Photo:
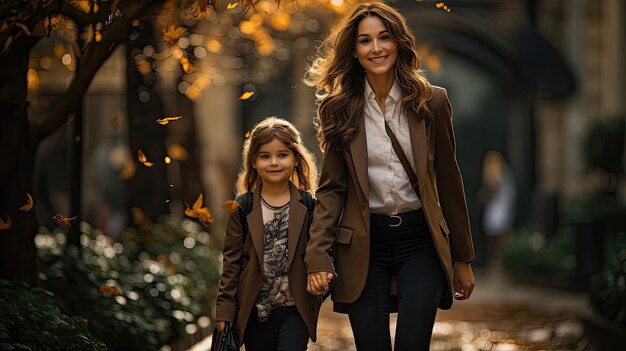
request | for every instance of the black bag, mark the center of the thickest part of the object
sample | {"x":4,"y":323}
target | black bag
{"x":227,"y":340}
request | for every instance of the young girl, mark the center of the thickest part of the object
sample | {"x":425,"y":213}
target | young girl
{"x":391,"y":196}
{"x":262,"y":290}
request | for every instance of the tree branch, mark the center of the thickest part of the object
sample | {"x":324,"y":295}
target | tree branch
{"x":96,"y":54}
{"x":84,"y":18}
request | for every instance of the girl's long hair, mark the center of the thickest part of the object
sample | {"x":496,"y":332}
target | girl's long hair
{"x":304,"y":176}
{"x":340,"y":79}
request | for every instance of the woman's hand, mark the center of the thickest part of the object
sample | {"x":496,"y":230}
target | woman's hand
{"x":318,"y":282}
{"x":220,"y":325}
{"x":463,"y":280}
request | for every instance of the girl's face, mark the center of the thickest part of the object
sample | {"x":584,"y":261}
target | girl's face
{"x":275,"y":162}
{"x":375,"y":49}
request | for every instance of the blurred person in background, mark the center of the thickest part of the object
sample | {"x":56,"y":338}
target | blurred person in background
{"x":497,"y":198}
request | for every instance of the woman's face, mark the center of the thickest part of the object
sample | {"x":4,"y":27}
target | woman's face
{"x":375,"y":49}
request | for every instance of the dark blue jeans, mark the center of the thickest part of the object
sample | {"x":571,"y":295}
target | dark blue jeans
{"x":284,"y":330}
{"x":408,"y":253}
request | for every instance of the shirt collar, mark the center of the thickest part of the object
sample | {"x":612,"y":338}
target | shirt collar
{"x":395,"y":93}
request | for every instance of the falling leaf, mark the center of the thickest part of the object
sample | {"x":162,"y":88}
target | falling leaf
{"x":202,"y":213}
{"x":63,"y":220}
{"x":141,"y":156}
{"x":29,"y":205}
{"x":246,"y":95}
{"x":110,"y":290}
{"x":171,"y":34}
{"x":232,"y":5}
{"x":440,"y":4}
{"x":6,"y":225}
{"x":148,"y":164}
{"x":248,"y":134}
{"x":167,"y":120}
{"x":231,"y":206}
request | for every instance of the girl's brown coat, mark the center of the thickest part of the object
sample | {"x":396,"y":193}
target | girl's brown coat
{"x":236,"y":300}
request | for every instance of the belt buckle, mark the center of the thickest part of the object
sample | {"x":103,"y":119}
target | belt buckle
{"x":396,"y":224}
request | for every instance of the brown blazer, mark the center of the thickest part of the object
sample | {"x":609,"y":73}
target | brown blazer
{"x":342,"y":214}
{"x":235,"y":301}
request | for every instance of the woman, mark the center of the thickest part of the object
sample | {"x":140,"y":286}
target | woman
{"x":398,"y":245}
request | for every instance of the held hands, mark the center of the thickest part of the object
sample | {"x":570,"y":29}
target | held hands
{"x":318,"y":283}
{"x":463,"y":281}
{"x":220,"y":325}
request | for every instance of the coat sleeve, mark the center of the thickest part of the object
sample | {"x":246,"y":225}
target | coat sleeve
{"x":226,"y":305}
{"x":450,"y":183}
{"x":328,"y":208}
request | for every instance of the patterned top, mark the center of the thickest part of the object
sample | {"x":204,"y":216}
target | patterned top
{"x":275,"y":286}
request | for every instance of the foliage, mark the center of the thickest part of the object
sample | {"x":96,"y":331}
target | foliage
{"x":29,"y":320}
{"x":608,"y":289}
{"x":530,"y":251}
{"x":604,"y":145}
{"x":155,"y":285}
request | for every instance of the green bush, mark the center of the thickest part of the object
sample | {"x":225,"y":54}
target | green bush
{"x":141,"y":292}
{"x":608,"y":289}
{"x":530,"y":251}
{"x":29,"y":320}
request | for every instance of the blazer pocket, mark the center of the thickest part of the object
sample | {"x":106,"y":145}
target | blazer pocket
{"x":344,"y":235}
{"x":444,"y":226}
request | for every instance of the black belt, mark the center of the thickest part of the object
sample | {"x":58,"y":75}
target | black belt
{"x":412,"y":218}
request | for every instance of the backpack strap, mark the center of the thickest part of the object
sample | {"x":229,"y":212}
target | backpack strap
{"x":307,"y":200}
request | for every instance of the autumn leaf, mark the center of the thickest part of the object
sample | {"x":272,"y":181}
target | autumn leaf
{"x":232,"y":5}
{"x":231,"y":206}
{"x":63,"y":220}
{"x":202,"y":213}
{"x":166,"y":120}
{"x":6,"y":225}
{"x":29,"y":205}
{"x":109,"y":290}
{"x":247,"y":134}
{"x":141,"y":156}
{"x":171,"y":34}
{"x":246,"y":95}
{"x":143,"y":159}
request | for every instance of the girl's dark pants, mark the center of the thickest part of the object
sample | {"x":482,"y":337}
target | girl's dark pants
{"x":406,"y":251}
{"x":283,"y":331}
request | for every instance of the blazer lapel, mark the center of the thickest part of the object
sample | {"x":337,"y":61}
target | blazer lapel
{"x":358,"y":153}
{"x":297,"y":214}
{"x":255,"y":226}
{"x":419,"y":144}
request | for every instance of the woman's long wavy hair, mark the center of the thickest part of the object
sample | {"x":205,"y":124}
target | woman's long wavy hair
{"x":304,"y":176}
{"x":340,"y":79}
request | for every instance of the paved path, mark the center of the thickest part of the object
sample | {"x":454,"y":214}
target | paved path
{"x":501,"y":315}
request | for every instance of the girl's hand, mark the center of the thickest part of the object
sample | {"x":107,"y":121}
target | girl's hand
{"x":463,"y":280}
{"x":317,"y":283}
{"x":220,"y":325}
